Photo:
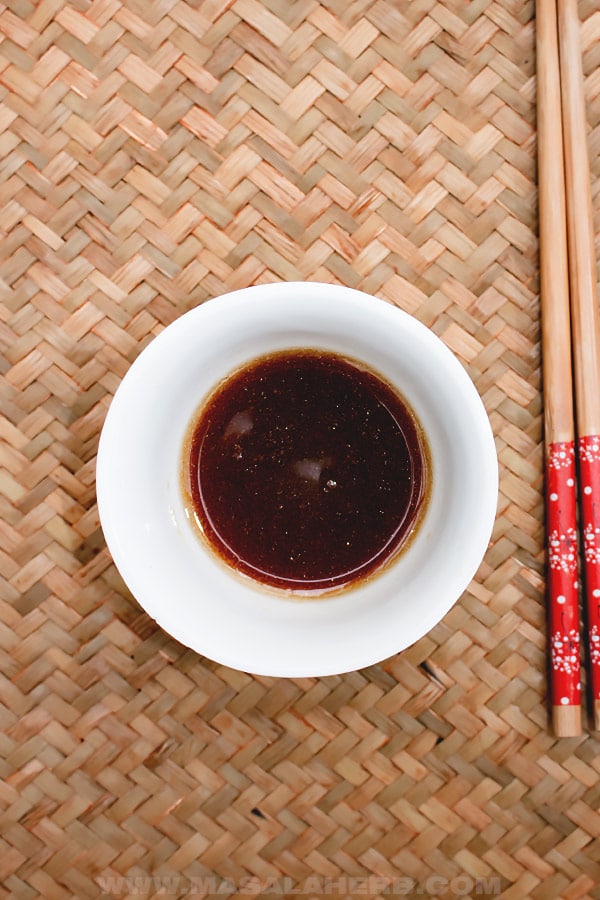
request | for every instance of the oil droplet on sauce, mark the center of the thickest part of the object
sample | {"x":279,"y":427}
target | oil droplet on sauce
{"x":306,"y":471}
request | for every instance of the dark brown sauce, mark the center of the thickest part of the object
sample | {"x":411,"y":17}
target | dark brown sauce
{"x":306,"y":471}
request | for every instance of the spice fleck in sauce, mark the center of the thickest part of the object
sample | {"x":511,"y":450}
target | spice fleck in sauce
{"x":306,"y":471}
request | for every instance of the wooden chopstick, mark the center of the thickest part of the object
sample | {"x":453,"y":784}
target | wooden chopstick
{"x":559,"y":428}
{"x":585,"y":324}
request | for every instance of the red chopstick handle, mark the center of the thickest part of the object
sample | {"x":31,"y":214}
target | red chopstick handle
{"x":589,"y":471}
{"x":563,"y":588}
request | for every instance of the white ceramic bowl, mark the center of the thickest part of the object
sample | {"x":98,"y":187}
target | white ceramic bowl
{"x":231,"y":619}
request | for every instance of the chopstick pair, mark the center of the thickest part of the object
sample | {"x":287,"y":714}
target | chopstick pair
{"x":570,"y":359}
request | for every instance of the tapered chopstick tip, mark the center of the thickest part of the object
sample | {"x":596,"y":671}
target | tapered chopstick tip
{"x":566,"y":721}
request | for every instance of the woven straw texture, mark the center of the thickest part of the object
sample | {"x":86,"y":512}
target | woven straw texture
{"x":156,"y":154}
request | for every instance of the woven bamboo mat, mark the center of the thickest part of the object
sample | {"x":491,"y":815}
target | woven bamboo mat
{"x":155,"y":154}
